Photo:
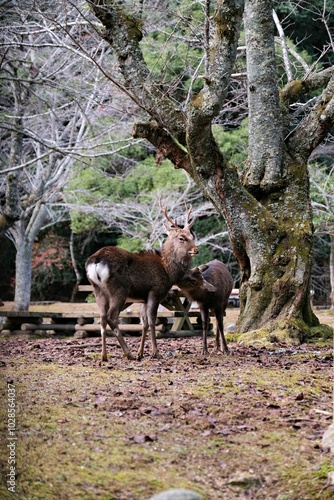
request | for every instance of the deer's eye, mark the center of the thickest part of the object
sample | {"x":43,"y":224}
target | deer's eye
{"x":181,"y":238}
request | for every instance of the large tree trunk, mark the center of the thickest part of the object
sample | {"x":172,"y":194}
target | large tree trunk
{"x":271,"y":234}
{"x":277,"y":293}
{"x":268,"y":212}
{"x":266,"y":205}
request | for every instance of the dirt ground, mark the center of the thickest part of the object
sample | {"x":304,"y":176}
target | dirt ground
{"x":244,"y":426}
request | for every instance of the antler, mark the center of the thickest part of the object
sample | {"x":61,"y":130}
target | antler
{"x":164,"y":211}
{"x":174,"y":223}
{"x":188,"y":212}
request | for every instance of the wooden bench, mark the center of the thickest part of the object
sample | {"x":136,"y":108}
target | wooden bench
{"x":175,"y":318}
{"x":71,"y":318}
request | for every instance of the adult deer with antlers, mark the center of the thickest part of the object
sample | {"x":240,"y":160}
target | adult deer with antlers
{"x":117,"y":276}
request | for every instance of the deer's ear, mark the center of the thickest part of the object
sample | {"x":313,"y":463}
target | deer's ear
{"x":203,"y":267}
{"x":168,"y":228}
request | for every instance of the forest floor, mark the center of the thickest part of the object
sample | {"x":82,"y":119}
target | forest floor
{"x":244,"y":426}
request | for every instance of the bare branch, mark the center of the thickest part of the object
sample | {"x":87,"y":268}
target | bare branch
{"x":284,"y":46}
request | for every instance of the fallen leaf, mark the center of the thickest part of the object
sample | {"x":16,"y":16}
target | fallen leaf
{"x":63,"y":420}
{"x":143,"y":439}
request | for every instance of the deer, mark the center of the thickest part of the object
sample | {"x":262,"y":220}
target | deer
{"x":215,"y":299}
{"x":118,"y":276}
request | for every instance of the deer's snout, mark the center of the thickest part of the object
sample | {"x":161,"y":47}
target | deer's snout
{"x":193,"y":251}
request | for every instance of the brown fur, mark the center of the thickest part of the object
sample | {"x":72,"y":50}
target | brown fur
{"x":217,"y":274}
{"x":116,"y":275}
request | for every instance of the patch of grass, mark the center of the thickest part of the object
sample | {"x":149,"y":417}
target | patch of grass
{"x":322,"y":472}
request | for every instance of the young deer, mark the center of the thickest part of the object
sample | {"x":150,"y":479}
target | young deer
{"x":217,"y":274}
{"x":117,"y":275}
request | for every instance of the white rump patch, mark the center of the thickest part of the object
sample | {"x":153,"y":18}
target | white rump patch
{"x":98,"y":273}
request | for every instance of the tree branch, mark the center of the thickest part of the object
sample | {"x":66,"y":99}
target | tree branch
{"x":265,"y":118}
{"x":207,"y":104}
{"x":222,"y":53}
{"x":164,"y":143}
{"x":123,"y":33}
{"x":296,"y":89}
{"x":284,"y":46}
{"x":315,"y":126}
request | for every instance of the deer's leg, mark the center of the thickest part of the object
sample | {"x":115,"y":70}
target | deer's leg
{"x":143,"y":317}
{"x":123,"y":344}
{"x":221,"y":344}
{"x":218,"y":338}
{"x":205,"y":327}
{"x":103,"y":321}
{"x":155,"y":352}
{"x":103,"y":304}
{"x":112,"y":320}
{"x":152,"y":310}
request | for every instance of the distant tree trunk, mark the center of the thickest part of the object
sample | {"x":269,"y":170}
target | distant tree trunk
{"x":24,"y":236}
{"x":76,"y":269}
{"x":23,"y":270}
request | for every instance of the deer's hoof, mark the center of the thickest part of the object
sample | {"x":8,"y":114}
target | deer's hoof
{"x":156,"y":355}
{"x":140,"y":353}
{"x":223,"y":352}
{"x":130,"y":356}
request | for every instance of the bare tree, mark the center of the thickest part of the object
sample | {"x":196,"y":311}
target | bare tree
{"x":266,"y":203}
{"x":55,"y":109}
{"x":140,"y":219}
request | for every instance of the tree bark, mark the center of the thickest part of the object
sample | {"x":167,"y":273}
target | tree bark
{"x":264,"y":165}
